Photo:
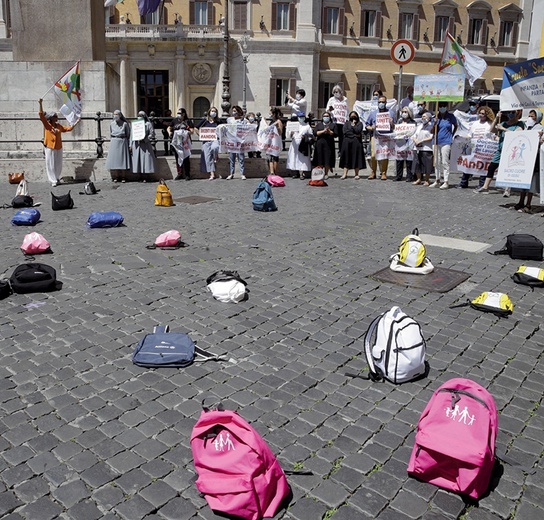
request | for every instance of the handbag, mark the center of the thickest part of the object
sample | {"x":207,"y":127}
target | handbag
{"x":59,"y":202}
{"x":16,"y":178}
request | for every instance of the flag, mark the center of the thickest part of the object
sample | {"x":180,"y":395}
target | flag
{"x":110,"y":3}
{"x":67,"y":89}
{"x":456,"y":60}
{"x":522,"y":85}
{"x":148,"y":6}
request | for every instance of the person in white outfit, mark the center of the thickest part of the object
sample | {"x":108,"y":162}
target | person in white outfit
{"x":299,"y":155}
{"x":337,"y":105}
{"x":297,"y":103}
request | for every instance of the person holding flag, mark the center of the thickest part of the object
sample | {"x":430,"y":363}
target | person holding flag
{"x":53,"y":143}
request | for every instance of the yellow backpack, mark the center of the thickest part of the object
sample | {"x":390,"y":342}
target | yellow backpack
{"x":531,"y":276}
{"x":412,"y":252}
{"x":494,"y":302}
{"x":163,"y":196}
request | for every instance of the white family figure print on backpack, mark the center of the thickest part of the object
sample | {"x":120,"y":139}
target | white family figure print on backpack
{"x":463,"y":416}
{"x":220,"y":443}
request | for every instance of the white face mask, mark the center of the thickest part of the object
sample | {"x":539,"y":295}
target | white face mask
{"x":424,"y":121}
{"x":213,"y":114}
{"x":301,"y":120}
{"x":298,"y":97}
{"x":251,"y":119}
{"x":404,"y":115}
{"x":338,"y":95}
{"x":326,"y":120}
{"x":530,"y":122}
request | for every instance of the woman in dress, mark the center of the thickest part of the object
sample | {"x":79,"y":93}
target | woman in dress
{"x":119,"y":161}
{"x":299,"y":155}
{"x":404,"y":147}
{"x":237,"y":117}
{"x":143,"y":156}
{"x":183,"y":164}
{"x":210,"y":149}
{"x":325,"y":131}
{"x":276,"y":125}
{"x":352,"y":156}
{"x":423,"y":141}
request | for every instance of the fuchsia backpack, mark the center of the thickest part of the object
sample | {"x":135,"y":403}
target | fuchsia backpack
{"x":237,"y":472}
{"x":169,"y":240}
{"x":455,"y":440}
{"x":275,"y":181}
{"x":35,"y":244}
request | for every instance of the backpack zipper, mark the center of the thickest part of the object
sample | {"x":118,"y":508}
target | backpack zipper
{"x":455,"y":396}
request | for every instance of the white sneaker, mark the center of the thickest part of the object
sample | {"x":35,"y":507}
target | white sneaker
{"x":444,"y":186}
{"x":230,"y":176}
{"x":243,"y":177}
{"x":507,"y":192}
{"x":434,"y":185}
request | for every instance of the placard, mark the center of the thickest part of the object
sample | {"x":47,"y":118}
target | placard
{"x":207,"y":133}
{"x":291,"y":127}
{"x":518,"y":158}
{"x":439,"y":87}
{"x":383,"y":122}
{"x":137,"y":129}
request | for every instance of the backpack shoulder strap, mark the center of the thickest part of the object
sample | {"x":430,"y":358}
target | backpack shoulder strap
{"x":161,"y":329}
{"x":202,"y":355}
{"x":373,"y":373}
{"x":466,"y":304}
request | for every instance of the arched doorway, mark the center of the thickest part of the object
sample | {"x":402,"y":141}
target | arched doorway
{"x":200,"y":106}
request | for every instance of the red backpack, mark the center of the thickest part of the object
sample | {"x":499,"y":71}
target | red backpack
{"x":455,"y":440}
{"x":237,"y":472}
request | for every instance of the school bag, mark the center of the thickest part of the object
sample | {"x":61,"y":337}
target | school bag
{"x":227,"y":286}
{"x":163,"y":197}
{"x":168,"y":240}
{"x":5,"y":289}
{"x":495,"y":302}
{"x":531,"y":276}
{"x":26,"y":217}
{"x":22,"y":189}
{"x":275,"y":181}
{"x":454,"y":446}
{"x":60,"y":202}
{"x":522,"y":247}
{"x":395,"y":348}
{"x":105,"y":219}
{"x":33,"y":277}
{"x":237,"y":472}
{"x":35,"y":244}
{"x":22,"y":201}
{"x":412,"y":256}
{"x":318,"y":177}
{"x":263,"y":200}
{"x":163,"y":348}
{"x":89,"y":189}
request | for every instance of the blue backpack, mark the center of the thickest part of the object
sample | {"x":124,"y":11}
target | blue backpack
{"x":104,"y":220}
{"x":168,"y":349}
{"x":263,"y":200}
{"x":26,"y":217}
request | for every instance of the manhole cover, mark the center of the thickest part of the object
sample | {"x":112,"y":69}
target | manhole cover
{"x":195,"y":199}
{"x":440,"y":280}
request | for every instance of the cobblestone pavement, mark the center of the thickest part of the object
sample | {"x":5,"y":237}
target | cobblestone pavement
{"x":85,"y":434}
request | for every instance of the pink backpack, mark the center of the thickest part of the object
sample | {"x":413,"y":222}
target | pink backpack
{"x":275,"y":181}
{"x":455,"y":440}
{"x":237,"y":472}
{"x":35,"y":244}
{"x":169,"y":240}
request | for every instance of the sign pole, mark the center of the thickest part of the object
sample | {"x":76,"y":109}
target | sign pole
{"x":400,"y":92}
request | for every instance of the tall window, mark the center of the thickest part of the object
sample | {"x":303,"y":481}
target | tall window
{"x":153,"y":91}
{"x":282,"y":17}
{"x":325,"y":89}
{"x":201,"y":13}
{"x":150,"y":19}
{"x":200,"y":106}
{"x":333,"y":20}
{"x":406,"y":26}
{"x":370,"y":24}
{"x":365,"y":91}
{"x":476,"y":31}
{"x":240,"y":15}
{"x":441,"y":27}
{"x":506,"y":35}
{"x":278,"y":90}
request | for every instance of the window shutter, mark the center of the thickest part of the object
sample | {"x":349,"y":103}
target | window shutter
{"x":484,"y":33}
{"x":292,"y":16}
{"x":399,"y":32}
{"x":210,"y":12}
{"x":322,"y":100}
{"x":451,"y":26}
{"x":274,"y":23}
{"x":515,"y":29}
{"x":362,"y":24}
{"x":378,"y":28}
{"x":191,"y":12}
{"x":324,"y":24}
{"x":292,"y":86}
{"x":272,"y":92}
{"x":341,"y":21}
{"x":415,"y":28}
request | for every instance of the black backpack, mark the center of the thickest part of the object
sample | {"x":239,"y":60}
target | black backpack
{"x":5,"y":289}
{"x":522,"y":247}
{"x":33,"y":277}
{"x":59,"y":202}
{"x":22,"y":201}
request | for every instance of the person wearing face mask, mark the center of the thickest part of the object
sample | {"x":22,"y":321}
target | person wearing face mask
{"x":352,"y":155}
{"x":408,"y":101}
{"x":119,"y":160}
{"x":376,"y":95}
{"x":371,"y":127}
{"x":534,"y":124}
{"x":297,"y":103}
{"x":473,"y":107}
{"x":423,"y":139}
{"x":512,"y":124}
{"x":143,"y":157}
{"x":182,"y":122}
{"x":404,"y":147}
{"x":337,"y":106}
{"x":299,"y":155}
{"x":210,"y":149}
{"x":445,"y":128}
{"x":479,"y":129}
{"x":252,"y":120}
{"x":237,"y":118}
{"x":275,"y":128}
{"x":325,"y":131}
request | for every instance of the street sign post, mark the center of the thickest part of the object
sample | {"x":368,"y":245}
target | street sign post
{"x":402,"y":53}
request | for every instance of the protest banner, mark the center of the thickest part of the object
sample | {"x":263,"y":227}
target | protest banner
{"x":383,"y":123}
{"x":404,"y":130}
{"x":518,"y":158}
{"x":384,"y":146}
{"x":523,"y":85}
{"x":181,"y":142}
{"x":464,"y":123}
{"x":237,"y":138}
{"x":404,"y":145}
{"x":439,"y":87}
{"x":270,"y":140}
{"x":363,"y":108}
{"x":340,"y":110}
{"x":207,"y":133}
{"x":291,"y":127}
{"x":137,"y":129}
{"x":472,"y":155}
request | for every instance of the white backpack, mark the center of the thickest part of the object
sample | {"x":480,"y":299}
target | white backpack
{"x":395,"y":348}
{"x":22,"y":189}
{"x":227,"y":287}
{"x":412,"y":256}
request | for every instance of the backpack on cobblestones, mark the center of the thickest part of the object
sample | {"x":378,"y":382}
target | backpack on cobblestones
{"x":30,"y":278}
{"x":26,"y":217}
{"x":263,"y":200}
{"x":395,"y":348}
{"x":412,"y":256}
{"x":531,"y":276}
{"x":227,"y":286}
{"x":237,"y":472}
{"x":22,"y":201}
{"x":35,"y":244}
{"x":454,"y":446}
{"x":61,"y":202}
{"x":163,"y":197}
{"x":162,"y":348}
{"x":105,"y":219}
{"x":494,"y":302}
{"x":522,"y":247}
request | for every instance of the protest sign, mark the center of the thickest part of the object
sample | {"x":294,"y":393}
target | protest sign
{"x":137,"y":129}
{"x":518,"y":158}
{"x":383,"y":123}
{"x":472,"y":155}
{"x":384,"y":146}
{"x":404,"y":145}
{"x":404,"y":130}
{"x":363,"y":108}
{"x":464,"y":122}
{"x":292,"y":127}
{"x":207,"y":133}
{"x":237,"y":138}
{"x":439,"y":87}
{"x":270,"y":140}
{"x":523,"y":85}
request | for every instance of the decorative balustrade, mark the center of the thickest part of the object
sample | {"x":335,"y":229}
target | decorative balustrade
{"x":163,"y":32}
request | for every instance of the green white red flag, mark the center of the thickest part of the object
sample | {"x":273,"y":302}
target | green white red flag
{"x":456,"y":60}
{"x":68,"y":90}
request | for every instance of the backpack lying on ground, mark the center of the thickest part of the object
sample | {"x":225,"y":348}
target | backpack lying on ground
{"x":395,"y":348}
{"x":106,"y":219}
{"x":227,"y":286}
{"x":318,"y":177}
{"x":163,"y":197}
{"x":169,"y":240}
{"x":5,"y":289}
{"x":412,"y":256}
{"x":531,"y":276}
{"x":162,"y":348}
{"x":22,"y":201}
{"x":275,"y":181}
{"x":29,"y":278}
{"x":26,"y":217}
{"x":495,"y":302}
{"x":89,"y":189}
{"x":237,"y":472}
{"x":60,"y":202}
{"x":263,"y":200}
{"x":22,"y":189}
{"x":35,"y":244}
{"x":522,"y":247}
{"x":455,"y":440}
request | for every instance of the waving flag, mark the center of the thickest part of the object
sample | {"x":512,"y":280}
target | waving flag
{"x":110,"y":3}
{"x":67,"y":89}
{"x":148,"y":6}
{"x":456,"y":60}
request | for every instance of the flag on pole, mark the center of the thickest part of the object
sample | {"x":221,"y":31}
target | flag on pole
{"x":110,"y":3}
{"x":148,"y":6}
{"x":456,"y":60}
{"x":67,"y":90}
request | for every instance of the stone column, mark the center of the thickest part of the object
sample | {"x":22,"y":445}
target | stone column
{"x":179,"y":89}
{"x":3,"y":28}
{"x":123,"y":80}
{"x":308,"y":16}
